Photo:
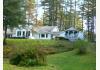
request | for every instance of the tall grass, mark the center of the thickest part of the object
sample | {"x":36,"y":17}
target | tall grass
{"x":82,"y":46}
{"x":29,"y":42}
{"x":49,"y":46}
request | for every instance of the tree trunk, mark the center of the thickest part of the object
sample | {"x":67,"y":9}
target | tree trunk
{"x":5,"y":36}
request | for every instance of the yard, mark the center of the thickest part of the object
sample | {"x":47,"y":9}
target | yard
{"x":67,"y":60}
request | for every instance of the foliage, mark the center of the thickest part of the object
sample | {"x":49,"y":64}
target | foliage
{"x":81,"y":45}
{"x":30,"y":9}
{"x":15,"y":59}
{"x":61,"y":13}
{"x":63,"y":46}
{"x":89,"y":8}
{"x":7,"y":51}
{"x":48,"y":46}
{"x":61,"y":61}
{"x":13,"y":15}
{"x":28,"y":57}
{"x":25,"y":43}
{"x":88,"y":11}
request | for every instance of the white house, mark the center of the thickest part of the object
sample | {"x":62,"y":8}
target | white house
{"x":72,"y":34}
{"x":19,"y":32}
{"x":44,"y":32}
{"x":81,"y":35}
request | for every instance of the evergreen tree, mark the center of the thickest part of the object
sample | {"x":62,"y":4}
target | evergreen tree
{"x":13,"y":15}
{"x":89,"y":10}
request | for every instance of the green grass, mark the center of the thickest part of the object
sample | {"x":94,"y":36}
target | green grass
{"x":22,"y":44}
{"x":29,"y":42}
{"x":71,"y":61}
{"x":48,"y":45}
{"x":62,"y":61}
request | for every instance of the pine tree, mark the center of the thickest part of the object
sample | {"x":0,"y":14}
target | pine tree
{"x":89,"y":8}
{"x":13,"y":15}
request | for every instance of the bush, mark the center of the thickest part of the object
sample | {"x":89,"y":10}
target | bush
{"x":15,"y":59}
{"x":81,"y":45}
{"x":82,"y":50}
{"x":28,"y":57}
{"x":7,"y":51}
{"x":63,"y":46}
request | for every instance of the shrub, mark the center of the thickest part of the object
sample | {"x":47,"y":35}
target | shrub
{"x":63,"y":46}
{"x":81,"y":45}
{"x":15,"y":59}
{"x":28,"y":57}
{"x":7,"y":51}
{"x":82,"y":50}
{"x":40,"y":56}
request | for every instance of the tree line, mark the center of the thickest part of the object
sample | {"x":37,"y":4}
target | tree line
{"x":61,"y":13}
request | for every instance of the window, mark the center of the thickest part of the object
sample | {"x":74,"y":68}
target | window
{"x":66,"y":33}
{"x":70,"y":32}
{"x":42,"y":35}
{"x":23,"y":33}
{"x":46,"y":35}
{"x":75,"y":32}
{"x":18,"y":33}
{"x":27,"y":33}
{"x":51,"y":35}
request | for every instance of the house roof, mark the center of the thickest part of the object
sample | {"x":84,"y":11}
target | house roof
{"x":71,"y":29}
{"x":44,"y":29}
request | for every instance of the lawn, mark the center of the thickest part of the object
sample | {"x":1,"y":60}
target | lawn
{"x":29,"y":42}
{"x":71,"y":61}
{"x":59,"y":61}
{"x":62,"y":61}
{"x":50,"y":45}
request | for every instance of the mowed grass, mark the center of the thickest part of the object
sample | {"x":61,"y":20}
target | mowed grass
{"x":60,"y":61}
{"x":71,"y":61}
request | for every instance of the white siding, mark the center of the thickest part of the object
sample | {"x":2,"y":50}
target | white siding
{"x":38,"y":36}
{"x":48,"y":36}
{"x":62,"y":34}
{"x":14,"y":34}
{"x":81,"y":35}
